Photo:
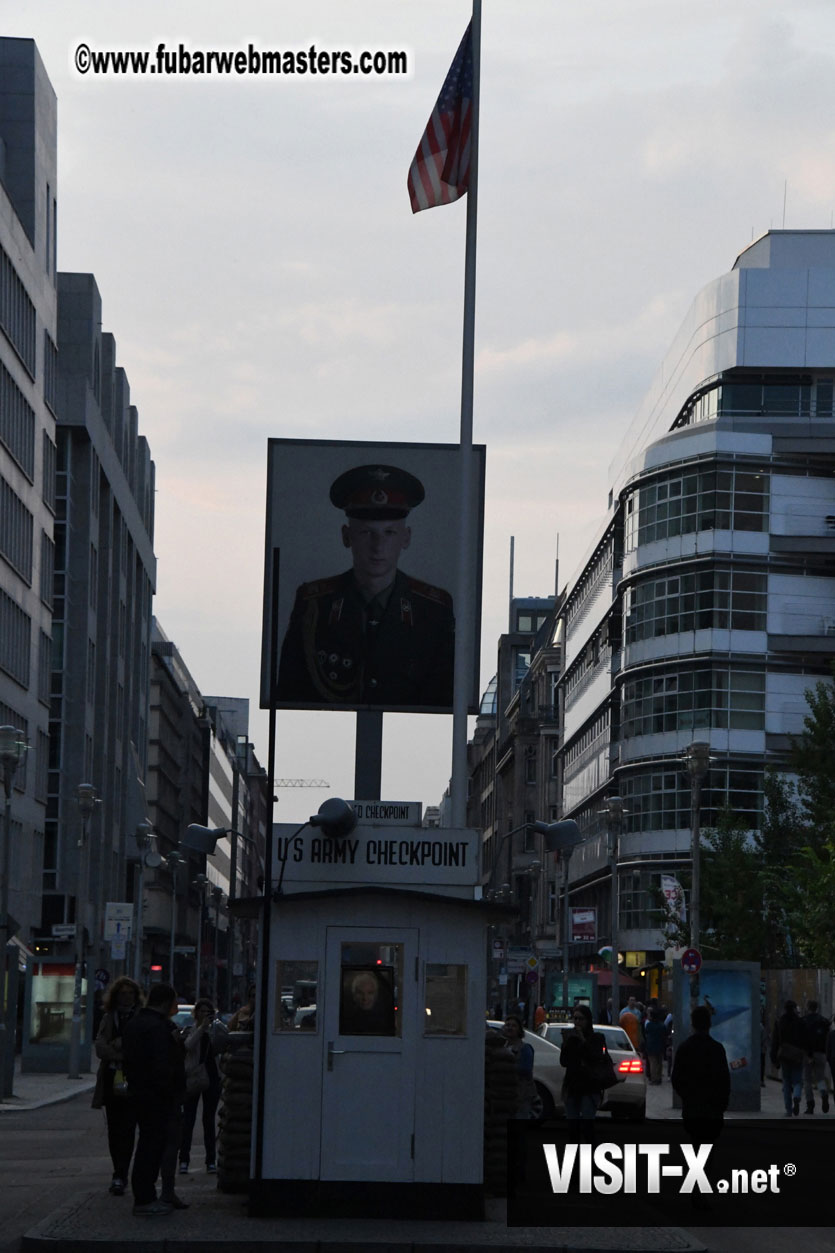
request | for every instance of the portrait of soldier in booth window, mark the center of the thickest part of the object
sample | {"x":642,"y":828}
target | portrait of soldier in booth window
{"x":372,"y":634}
{"x":366,"y":1005}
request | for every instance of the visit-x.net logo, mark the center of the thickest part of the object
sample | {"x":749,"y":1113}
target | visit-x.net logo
{"x":753,"y":1173}
{"x":642,"y":1168}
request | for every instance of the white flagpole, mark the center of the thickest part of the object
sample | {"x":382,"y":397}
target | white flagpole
{"x":465,"y":592}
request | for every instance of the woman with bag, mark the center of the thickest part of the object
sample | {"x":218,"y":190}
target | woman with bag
{"x":202,"y":1080}
{"x":789,"y":1048}
{"x":121,"y":1001}
{"x":588,"y":1070}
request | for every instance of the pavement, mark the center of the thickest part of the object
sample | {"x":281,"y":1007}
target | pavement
{"x":216,"y":1220}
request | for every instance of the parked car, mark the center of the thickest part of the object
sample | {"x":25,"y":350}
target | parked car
{"x":184,"y":1017}
{"x":628,"y":1099}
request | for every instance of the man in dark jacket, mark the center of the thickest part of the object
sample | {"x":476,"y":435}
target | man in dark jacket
{"x":789,"y":1048}
{"x":702,"y":1079}
{"x":154,"y":1067}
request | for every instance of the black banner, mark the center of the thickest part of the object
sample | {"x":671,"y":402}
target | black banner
{"x":752,"y":1174}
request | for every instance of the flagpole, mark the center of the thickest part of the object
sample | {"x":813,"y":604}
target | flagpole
{"x":465,"y":593}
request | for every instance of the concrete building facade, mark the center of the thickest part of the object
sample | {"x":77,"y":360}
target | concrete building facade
{"x":28,"y":409}
{"x":105,"y":574}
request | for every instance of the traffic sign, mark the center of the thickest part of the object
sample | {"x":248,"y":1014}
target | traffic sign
{"x":63,"y":930}
{"x":691,"y":961}
{"x":118,"y":920}
{"x":532,"y":977}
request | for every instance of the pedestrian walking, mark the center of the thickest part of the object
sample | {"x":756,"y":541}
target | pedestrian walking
{"x":830,"y":1053}
{"x":584,"y":1059}
{"x":202,"y":1084}
{"x":155,"y":1072}
{"x":789,"y":1047}
{"x":121,"y":1001}
{"x":655,"y":1043}
{"x":814,"y":1064}
{"x":702,"y":1079}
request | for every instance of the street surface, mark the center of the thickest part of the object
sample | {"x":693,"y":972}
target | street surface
{"x":55,"y":1155}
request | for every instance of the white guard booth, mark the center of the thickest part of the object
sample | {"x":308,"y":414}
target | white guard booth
{"x":372,"y":1075}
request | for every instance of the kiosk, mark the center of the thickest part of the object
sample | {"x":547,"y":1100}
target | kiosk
{"x":371,"y":1079}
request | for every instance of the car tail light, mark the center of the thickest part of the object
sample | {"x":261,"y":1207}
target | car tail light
{"x":631,"y":1066}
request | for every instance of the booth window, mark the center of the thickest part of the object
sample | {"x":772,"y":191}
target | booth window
{"x":296,"y":987}
{"x":445,"y":999}
{"x":371,"y":977}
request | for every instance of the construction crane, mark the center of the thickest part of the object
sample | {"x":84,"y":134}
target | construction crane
{"x":301,"y":783}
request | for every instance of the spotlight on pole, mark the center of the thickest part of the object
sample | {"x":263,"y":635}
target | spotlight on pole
{"x":335,"y":817}
{"x":203,"y":839}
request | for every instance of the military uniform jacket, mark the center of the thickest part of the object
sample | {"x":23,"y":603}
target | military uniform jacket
{"x":333,"y":654}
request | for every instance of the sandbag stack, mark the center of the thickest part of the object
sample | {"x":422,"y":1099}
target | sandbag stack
{"x":237,"y":1065}
{"x":501,"y":1095}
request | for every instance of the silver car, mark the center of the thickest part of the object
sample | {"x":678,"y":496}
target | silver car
{"x":628,"y":1099}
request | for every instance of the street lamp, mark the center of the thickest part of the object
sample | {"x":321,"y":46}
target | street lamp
{"x":614,"y":827}
{"x":696,"y":761}
{"x":172,"y":861}
{"x":148,"y":858}
{"x":200,"y":881}
{"x":562,"y":837}
{"x":12,"y":748}
{"x":87,"y":800}
{"x":217,"y":897}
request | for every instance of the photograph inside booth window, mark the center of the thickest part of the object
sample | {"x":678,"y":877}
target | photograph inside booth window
{"x":367,"y":1003}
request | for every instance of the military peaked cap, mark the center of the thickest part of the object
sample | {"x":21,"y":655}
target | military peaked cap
{"x":376,"y":492}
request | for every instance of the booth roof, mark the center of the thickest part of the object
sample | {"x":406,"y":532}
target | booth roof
{"x":252,"y":906}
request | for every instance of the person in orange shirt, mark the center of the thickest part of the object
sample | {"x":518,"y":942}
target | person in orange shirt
{"x":630,"y":1021}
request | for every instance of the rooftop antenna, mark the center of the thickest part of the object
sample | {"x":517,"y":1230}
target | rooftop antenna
{"x":785,"y":192}
{"x":557,"y":570}
{"x":510,"y":588}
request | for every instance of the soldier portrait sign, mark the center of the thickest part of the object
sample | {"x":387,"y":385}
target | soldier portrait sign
{"x":361,"y":564}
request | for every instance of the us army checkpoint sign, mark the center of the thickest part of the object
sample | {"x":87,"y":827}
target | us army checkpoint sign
{"x":398,"y":856}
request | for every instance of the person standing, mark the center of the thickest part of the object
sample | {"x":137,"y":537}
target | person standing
{"x":515,"y":1042}
{"x":155,"y":1072}
{"x":789,"y":1048}
{"x":814,"y":1064}
{"x":200,"y":1052}
{"x":630,"y":1020}
{"x":702,"y":1079}
{"x":121,"y":1001}
{"x":583,"y":1049}
{"x":655,"y":1043}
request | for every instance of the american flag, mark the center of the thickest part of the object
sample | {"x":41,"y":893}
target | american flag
{"x":440,"y":171}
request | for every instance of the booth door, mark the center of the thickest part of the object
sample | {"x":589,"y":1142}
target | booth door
{"x":370,"y":1023}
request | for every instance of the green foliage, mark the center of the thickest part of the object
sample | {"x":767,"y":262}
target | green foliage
{"x":732,"y":925}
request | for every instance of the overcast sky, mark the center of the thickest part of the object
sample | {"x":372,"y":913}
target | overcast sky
{"x":263,"y":275}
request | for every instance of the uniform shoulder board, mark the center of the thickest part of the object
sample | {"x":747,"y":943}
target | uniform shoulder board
{"x":319,"y":587}
{"x":437,"y":594}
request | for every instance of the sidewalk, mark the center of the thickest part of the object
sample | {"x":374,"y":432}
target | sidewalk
{"x":31,"y":1091}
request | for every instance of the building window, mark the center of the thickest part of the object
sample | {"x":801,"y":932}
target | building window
{"x":48,"y":486}
{"x":702,"y":500}
{"x":17,"y":313}
{"x":17,"y":424}
{"x":530,"y":764}
{"x":16,"y":529}
{"x":693,"y":700}
{"x":44,"y":667}
{"x":15,"y":640}
{"x":47,"y":569}
{"x":659,"y":799}
{"x":50,"y":372}
{"x":722,"y":599}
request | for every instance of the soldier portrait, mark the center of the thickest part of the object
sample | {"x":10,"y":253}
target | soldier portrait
{"x":373,"y":633}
